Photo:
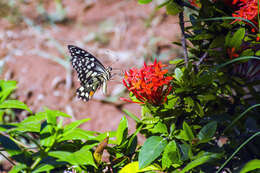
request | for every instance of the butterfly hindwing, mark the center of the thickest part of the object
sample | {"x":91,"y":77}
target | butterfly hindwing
{"x":91,"y":73}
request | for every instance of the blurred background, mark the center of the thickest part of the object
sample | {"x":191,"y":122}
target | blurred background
{"x":34,"y":35}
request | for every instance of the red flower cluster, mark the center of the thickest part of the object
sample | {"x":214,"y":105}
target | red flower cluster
{"x":149,"y":84}
{"x":248,"y":10}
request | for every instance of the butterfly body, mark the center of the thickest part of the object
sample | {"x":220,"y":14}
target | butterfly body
{"x":91,"y":73}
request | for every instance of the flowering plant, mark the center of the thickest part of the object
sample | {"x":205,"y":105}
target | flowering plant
{"x":149,"y":84}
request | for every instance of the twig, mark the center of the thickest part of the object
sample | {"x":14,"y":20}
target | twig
{"x":183,"y":39}
{"x":201,"y":59}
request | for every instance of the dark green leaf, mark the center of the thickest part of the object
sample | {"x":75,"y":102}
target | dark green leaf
{"x":151,"y":150}
{"x":188,"y":131}
{"x":208,"y":131}
{"x":201,"y":160}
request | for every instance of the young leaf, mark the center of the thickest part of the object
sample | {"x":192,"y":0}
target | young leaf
{"x":144,"y":1}
{"x":188,"y":131}
{"x":237,"y":38}
{"x":151,"y":149}
{"x":75,"y":124}
{"x":6,"y":88}
{"x":14,"y":104}
{"x":208,"y":131}
{"x":122,"y":130}
{"x":251,"y":165}
{"x":77,"y":134}
{"x":133,"y":168}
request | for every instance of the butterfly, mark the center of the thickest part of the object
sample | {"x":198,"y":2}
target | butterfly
{"x":91,"y":72}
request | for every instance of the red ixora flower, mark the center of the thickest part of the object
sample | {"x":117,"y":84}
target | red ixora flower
{"x":248,"y":9}
{"x":149,"y":84}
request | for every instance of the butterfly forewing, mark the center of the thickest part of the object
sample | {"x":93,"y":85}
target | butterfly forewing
{"x":91,"y":73}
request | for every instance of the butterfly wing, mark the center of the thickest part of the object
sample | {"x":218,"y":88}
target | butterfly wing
{"x":91,"y":73}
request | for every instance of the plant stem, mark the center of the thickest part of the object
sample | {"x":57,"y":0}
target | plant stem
{"x":183,"y":39}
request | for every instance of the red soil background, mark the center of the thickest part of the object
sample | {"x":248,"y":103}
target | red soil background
{"x":42,"y":81}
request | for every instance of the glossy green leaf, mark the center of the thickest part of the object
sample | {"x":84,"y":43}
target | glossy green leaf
{"x":122,"y":130}
{"x":43,"y":168}
{"x":14,"y":104}
{"x":185,"y":151}
{"x":188,"y":131}
{"x":30,"y":124}
{"x":251,"y":165}
{"x":206,"y":157}
{"x":159,"y":128}
{"x":74,"y":124}
{"x":6,"y":88}
{"x":208,"y":131}
{"x":151,"y":150}
{"x":170,"y":156}
{"x":77,"y":134}
{"x":18,"y":168}
{"x":81,"y":157}
{"x":178,"y":74}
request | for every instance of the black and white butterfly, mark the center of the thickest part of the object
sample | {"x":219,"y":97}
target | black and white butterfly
{"x":91,"y":73}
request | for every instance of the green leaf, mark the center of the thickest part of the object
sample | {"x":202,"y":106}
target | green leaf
{"x":133,"y":168}
{"x":173,"y":8}
{"x":257,"y":53}
{"x":159,"y":128}
{"x":171,"y":156}
{"x":137,"y":120}
{"x":74,"y":124}
{"x":185,"y":151}
{"x":18,"y":168}
{"x":14,"y":104}
{"x":77,"y":134}
{"x":237,"y":38}
{"x":122,"y":130}
{"x":206,"y":157}
{"x":10,"y":146}
{"x":251,"y":165}
{"x":247,"y":52}
{"x":43,"y":168}
{"x":144,"y":1}
{"x":204,"y":36}
{"x":178,"y":74}
{"x":81,"y":157}
{"x":188,"y":131}
{"x":30,"y":124}
{"x":208,"y":131}
{"x":151,"y":150}
{"x":6,"y":87}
